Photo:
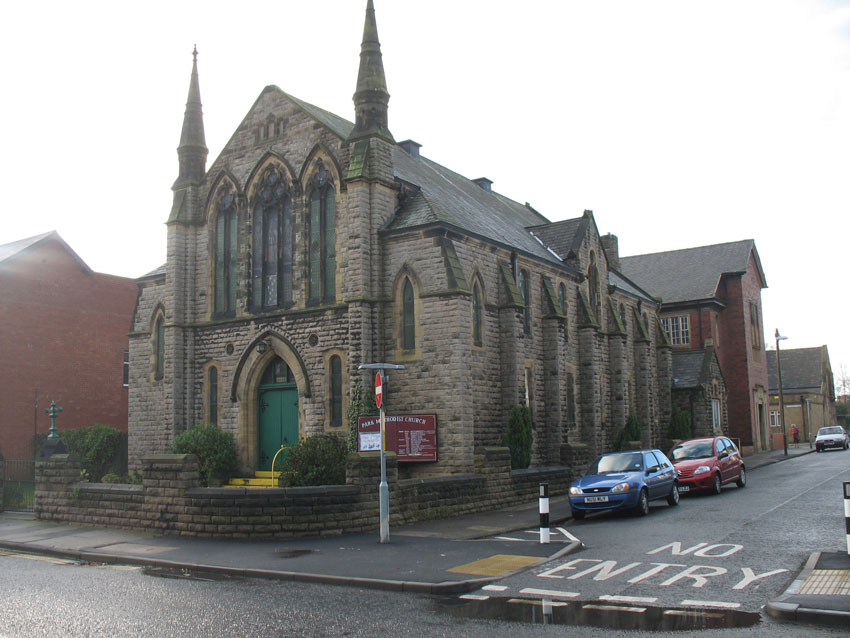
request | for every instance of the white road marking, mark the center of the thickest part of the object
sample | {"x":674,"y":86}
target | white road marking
{"x":568,"y":535}
{"x":628,"y":599}
{"x":709,"y":603}
{"x":532,"y":591}
{"x":474,"y":597}
{"x":494,"y":588}
{"x":508,"y":538}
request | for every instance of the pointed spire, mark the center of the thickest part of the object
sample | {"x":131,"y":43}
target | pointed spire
{"x":192,"y":152}
{"x":371,"y":97}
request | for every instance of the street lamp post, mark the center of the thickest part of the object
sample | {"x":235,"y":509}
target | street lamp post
{"x":781,"y":393}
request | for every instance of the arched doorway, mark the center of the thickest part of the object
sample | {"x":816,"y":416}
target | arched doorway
{"x":277,"y":413}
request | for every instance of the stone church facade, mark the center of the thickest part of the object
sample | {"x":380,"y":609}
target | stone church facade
{"x":313,"y":245}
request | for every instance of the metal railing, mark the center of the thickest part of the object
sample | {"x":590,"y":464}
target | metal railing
{"x":19,"y":485}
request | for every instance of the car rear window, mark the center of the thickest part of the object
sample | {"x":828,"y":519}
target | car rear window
{"x":830,"y":430}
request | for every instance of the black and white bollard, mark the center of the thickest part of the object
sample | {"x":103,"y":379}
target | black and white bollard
{"x":847,"y":513}
{"x":544,"y":513}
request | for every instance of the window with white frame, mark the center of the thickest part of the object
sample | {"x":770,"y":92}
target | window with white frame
{"x":774,"y":419}
{"x":677,"y":329}
{"x":716,"y":416}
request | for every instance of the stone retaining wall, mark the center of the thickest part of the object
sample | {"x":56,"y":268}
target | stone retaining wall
{"x":170,"y":502}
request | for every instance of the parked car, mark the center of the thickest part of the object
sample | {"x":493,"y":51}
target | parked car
{"x":832,"y":436}
{"x":625,"y":480}
{"x":708,"y":463}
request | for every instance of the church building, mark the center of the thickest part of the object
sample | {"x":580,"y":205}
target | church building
{"x":312,"y":245}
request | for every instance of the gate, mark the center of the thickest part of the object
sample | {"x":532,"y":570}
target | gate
{"x":19,"y":485}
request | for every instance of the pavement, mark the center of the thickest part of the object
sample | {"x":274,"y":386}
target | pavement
{"x":446,"y":556}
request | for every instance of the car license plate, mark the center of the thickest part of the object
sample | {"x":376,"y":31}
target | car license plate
{"x":684,"y":488}
{"x":595,"y":499}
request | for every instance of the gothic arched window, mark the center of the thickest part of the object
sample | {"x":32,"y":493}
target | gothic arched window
{"x":525,"y":293}
{"x":322,"y":233}
{"x":593,"y":284}
{"x":336,"y":391}
{"x":408,"y":317}
{"x":273,"y":240}
{"x":226,"y":250}
{"x":212,"y":396}
{"x":477,"y":317}
{"x":159,"y":347}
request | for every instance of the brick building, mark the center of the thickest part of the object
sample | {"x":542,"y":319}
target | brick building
{"x":711,"y":297}
{"x":312,"y":245}
{"x":809,"y":392}
{"x":63,"y":337}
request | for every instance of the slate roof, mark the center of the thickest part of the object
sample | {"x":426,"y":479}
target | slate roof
{"x":690,"y":274}
{"x":802,"y":370}
{"x":622,"y":282}
{"x":559,"y":236}
{"x":687,"y":368}
{"x":7,"y":251}
{"x":449,"y":198}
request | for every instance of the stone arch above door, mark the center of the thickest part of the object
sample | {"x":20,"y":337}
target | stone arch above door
{"x":246,"y":382}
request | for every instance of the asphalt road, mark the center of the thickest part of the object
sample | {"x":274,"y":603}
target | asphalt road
{"x":786,"y":511}
{"x":733,"y":551}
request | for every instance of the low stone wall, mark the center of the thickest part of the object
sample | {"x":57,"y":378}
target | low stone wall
{"x":169,"y":501}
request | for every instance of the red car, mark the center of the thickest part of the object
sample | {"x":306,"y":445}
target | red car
{"x":708,"y":464}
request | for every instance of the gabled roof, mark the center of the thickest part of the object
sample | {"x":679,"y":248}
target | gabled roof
{"x":691,"y":274}
{"x":12,"y":249}
{"x":692,"y":368}
{"x":626,"y":285}
{"x":803,"y":370}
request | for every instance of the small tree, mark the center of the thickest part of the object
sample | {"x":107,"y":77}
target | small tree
{"x":96,"y":445}
{"x":630,"y":432}
{"x":215,"y":449}
{"x":680,"y":424}
{"x":519,"y":436}
{"x":317,"y":460}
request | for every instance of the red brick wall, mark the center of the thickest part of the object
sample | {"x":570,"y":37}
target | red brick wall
{"x":63,"y":332}
{"x":744,"y":368}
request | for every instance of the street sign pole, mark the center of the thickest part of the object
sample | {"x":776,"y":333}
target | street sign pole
{"x":383,"y":487}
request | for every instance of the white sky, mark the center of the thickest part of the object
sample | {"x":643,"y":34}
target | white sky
{"x":679,"y":123}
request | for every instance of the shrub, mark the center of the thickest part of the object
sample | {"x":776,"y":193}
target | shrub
{"x":112,"y":477}
{"x":631,"y":432}
{"x":317,"y":460}
{"x":680,"y":424}
{"x":519,"y":436}
{"x":215,"y":449}
{"x":97,"y":446}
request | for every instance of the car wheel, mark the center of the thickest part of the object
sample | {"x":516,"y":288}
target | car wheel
{"x":715,"y":487}
{"x":578,"y":515}
{"x":742,"y":478}
{"x":818,"y":449}
{"x":642,"y":508}
{"x":673,"y":498}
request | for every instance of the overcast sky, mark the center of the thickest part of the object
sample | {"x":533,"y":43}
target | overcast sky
{"x":679,"y":123}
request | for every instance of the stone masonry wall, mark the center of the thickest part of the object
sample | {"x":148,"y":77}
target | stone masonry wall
{"x":169,"y":502}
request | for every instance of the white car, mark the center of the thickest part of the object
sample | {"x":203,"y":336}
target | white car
{"x":832,"y":436}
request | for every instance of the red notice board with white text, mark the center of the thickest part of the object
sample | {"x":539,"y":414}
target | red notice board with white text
{"x":413,"y":437}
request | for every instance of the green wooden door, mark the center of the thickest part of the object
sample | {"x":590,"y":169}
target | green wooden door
{"x":278,"y":423}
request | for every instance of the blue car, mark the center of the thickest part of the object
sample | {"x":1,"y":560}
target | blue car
{"x":625,"y":480}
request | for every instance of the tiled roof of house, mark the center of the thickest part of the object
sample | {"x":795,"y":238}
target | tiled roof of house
{"x":7,"y":251}
{"x":691,"y":273}
{"x":802,"y":370}
{"x":687,"y":368}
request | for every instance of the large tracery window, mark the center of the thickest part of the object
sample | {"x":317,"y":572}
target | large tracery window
{"x":273,"y":241}
{"x":322,"y":233}
{"x":226,"y":250}
{"x":593,"y":285}
{"x":477,"y":318}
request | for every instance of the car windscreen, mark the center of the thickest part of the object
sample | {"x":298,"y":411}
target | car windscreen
{"x":617,"y":463}
{"x":830,"y":430}
{"x":693,"y":450}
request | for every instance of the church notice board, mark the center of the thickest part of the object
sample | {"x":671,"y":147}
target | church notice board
{"x":413,"y":437}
